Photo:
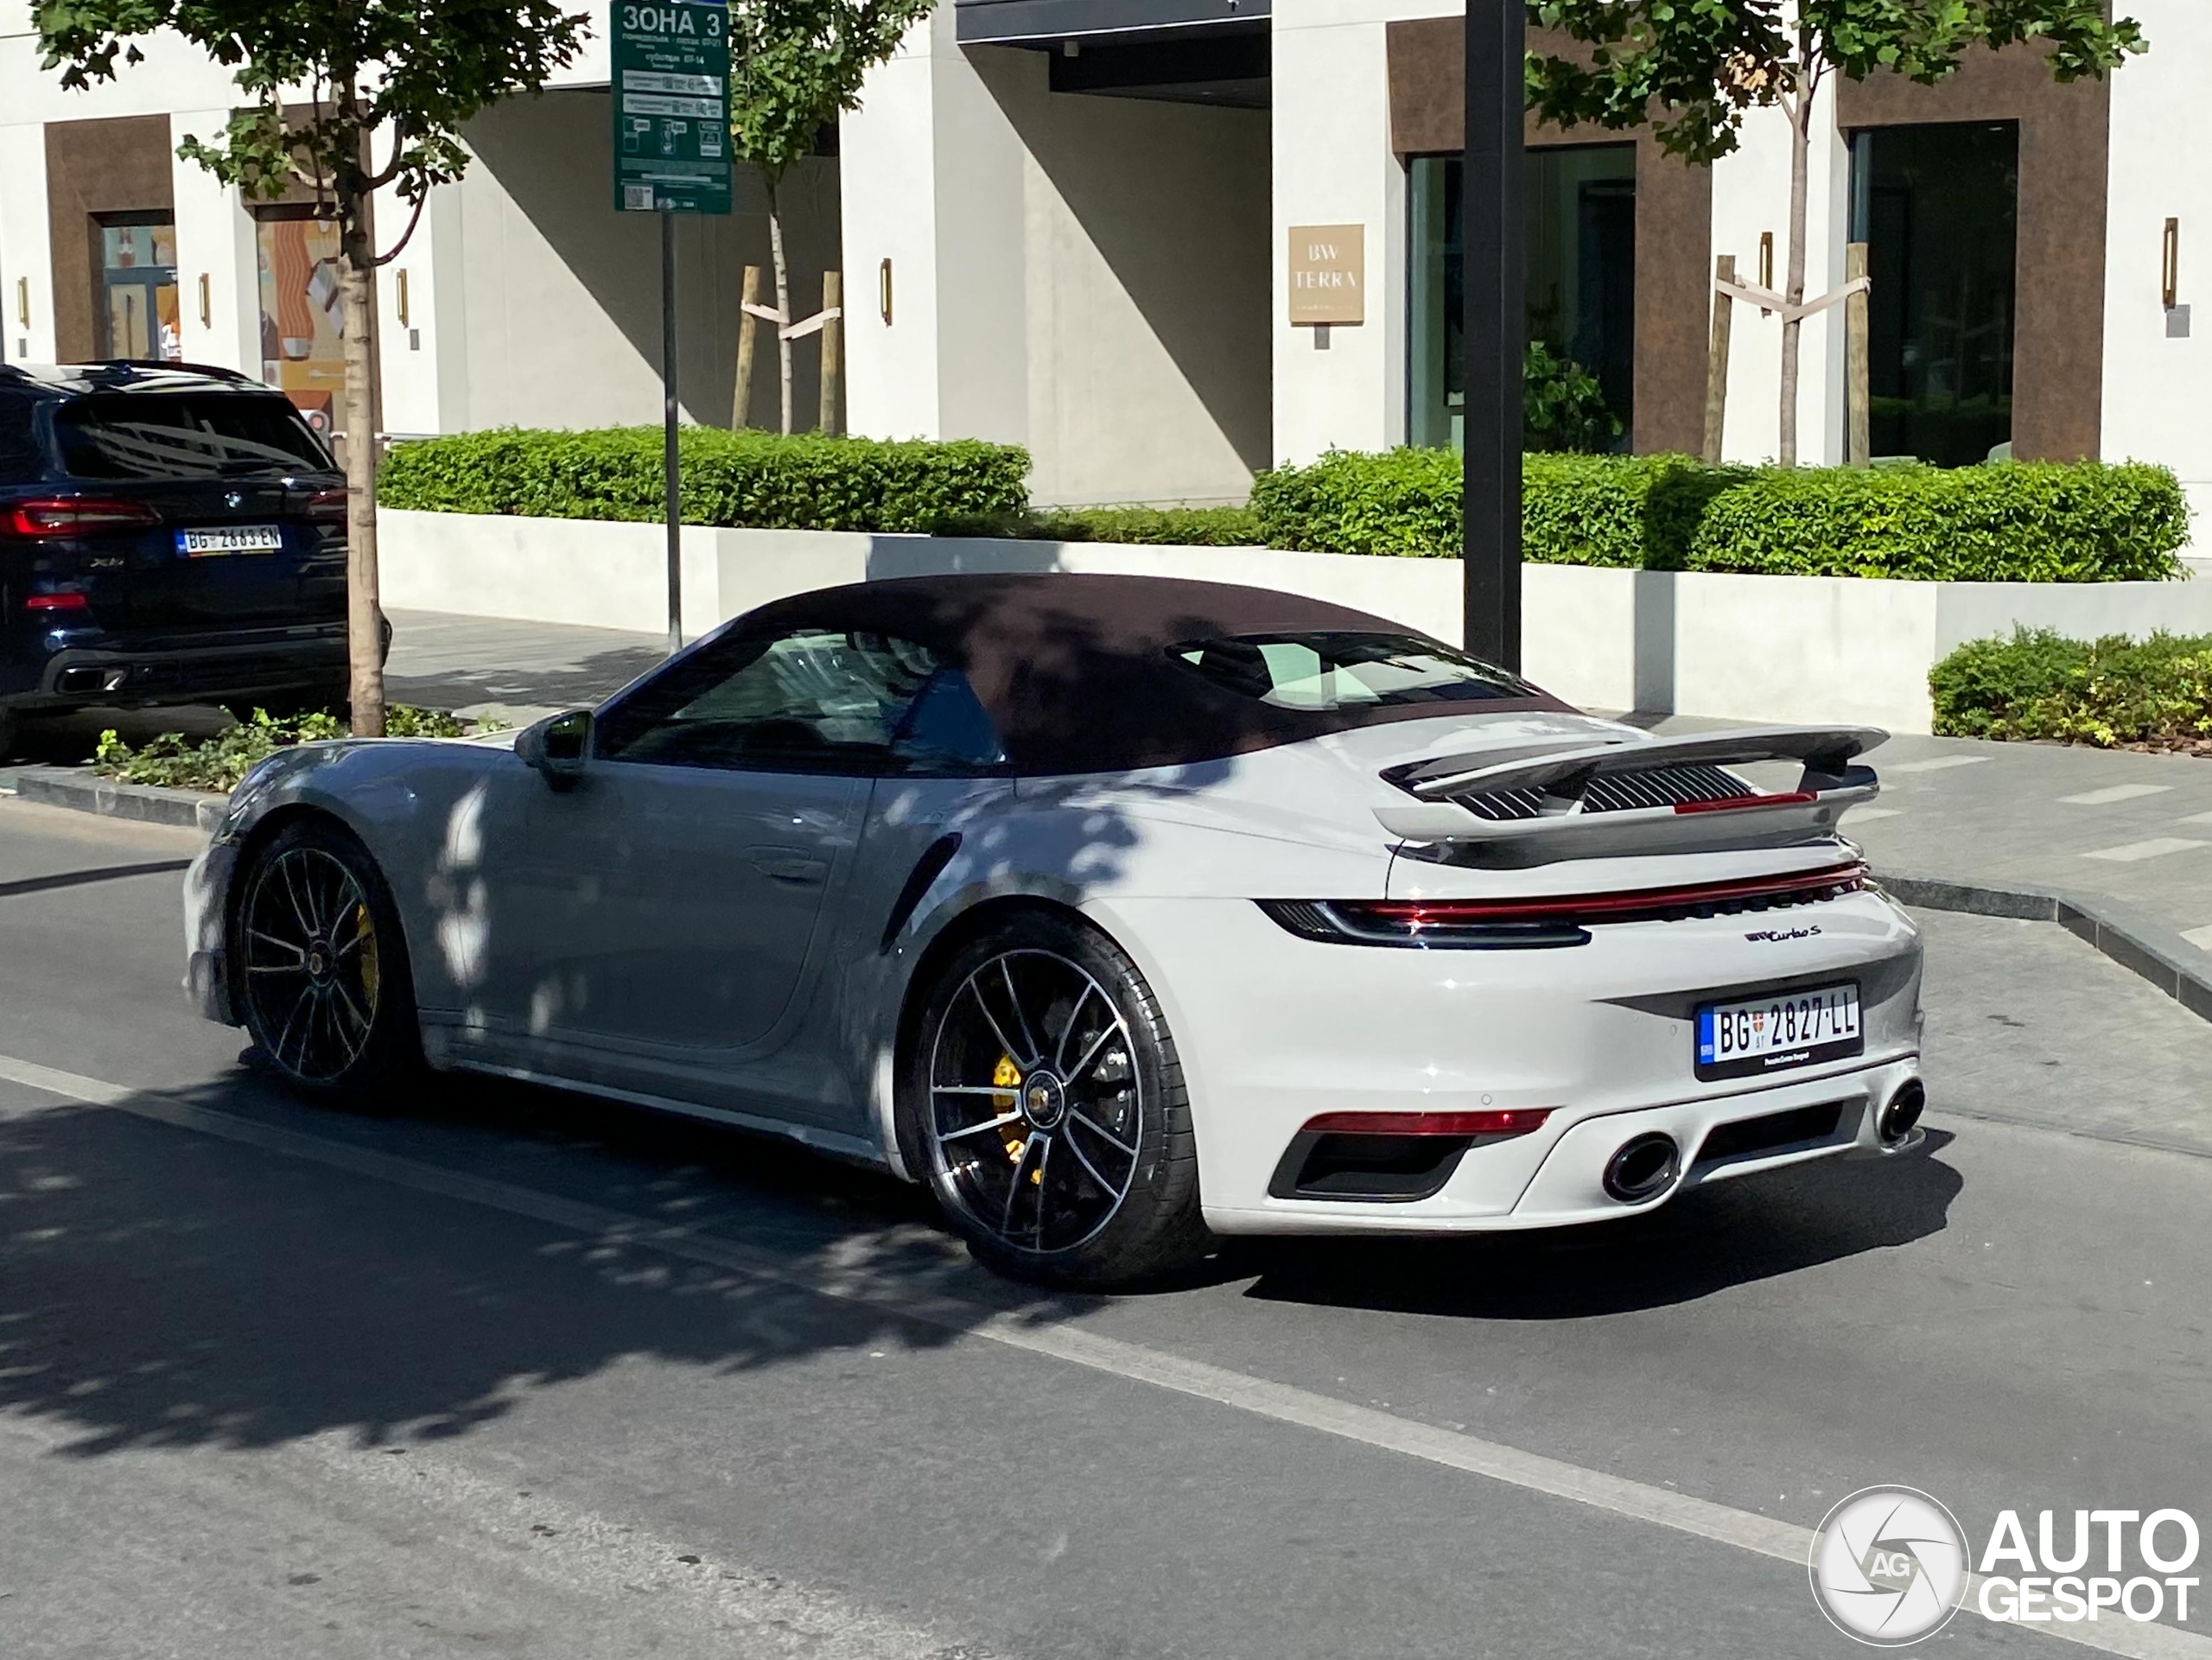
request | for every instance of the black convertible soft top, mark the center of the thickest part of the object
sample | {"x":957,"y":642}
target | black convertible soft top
{"x":1078,"y":670}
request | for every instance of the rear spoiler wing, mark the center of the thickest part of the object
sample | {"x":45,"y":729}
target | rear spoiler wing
{"x":1830,"y":782}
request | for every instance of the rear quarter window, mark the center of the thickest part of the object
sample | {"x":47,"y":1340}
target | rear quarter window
{"x":22,"y":459}
{"x":153,"y":435}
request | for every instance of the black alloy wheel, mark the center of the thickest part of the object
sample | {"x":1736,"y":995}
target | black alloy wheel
{"x":1045,"y":1109}
{"x":320,"y":966}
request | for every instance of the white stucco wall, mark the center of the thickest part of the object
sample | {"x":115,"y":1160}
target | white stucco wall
{"x":1085,"y":276}
{"x":215,"y":240}
{"x":2158,"y":389}
{"x":1751,"y":195}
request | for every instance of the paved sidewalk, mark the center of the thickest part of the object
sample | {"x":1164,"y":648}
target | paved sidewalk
{"x":514,"y":671}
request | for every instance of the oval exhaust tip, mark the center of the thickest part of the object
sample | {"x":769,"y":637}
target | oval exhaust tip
{"x":1903,"y":1113}
{"x":1642,"y":1167}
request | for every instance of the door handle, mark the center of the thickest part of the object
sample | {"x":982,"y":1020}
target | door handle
{"x":787,"y":866}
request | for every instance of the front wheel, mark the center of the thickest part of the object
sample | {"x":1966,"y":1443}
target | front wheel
{"x":1044,"y":1104}
{"x":320,"y":968}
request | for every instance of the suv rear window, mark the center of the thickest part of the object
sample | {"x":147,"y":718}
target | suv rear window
{"x":1347,"y":670}
{"x":184,"y":435}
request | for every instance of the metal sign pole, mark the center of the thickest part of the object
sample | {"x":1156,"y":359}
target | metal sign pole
{"x":1494,"y":240}
{"x":668,"y":374}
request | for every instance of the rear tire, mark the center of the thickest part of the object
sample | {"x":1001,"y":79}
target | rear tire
{"x":1043,"y":1105}
{"x":320,"y":966}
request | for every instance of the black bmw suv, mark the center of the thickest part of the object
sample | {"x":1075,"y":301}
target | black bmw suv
{"x":169,"y":534}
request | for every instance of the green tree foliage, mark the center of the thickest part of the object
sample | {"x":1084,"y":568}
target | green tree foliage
{"x":1562,"y":405}
{"x":794,"y":66}
{"x":340,"y":99}
{"x":1694,"y":68}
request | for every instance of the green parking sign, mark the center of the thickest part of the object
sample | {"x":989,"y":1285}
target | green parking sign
{"x":671,"y":107}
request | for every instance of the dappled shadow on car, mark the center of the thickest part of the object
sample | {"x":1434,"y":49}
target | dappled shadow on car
{"x":292,"y":1271}
{"x":1709,"y":1240}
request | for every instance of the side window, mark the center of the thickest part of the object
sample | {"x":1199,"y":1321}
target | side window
{"x":813,"y":701}
{"x":947,"y":730}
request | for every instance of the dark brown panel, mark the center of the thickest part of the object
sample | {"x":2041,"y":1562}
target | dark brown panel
{"x":115,"y":166}
{"x":2065,"y":139}
{"x":1674,"y":223}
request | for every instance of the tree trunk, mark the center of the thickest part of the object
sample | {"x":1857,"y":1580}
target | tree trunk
{"x":363,"y":615}
{"x":1801,"y":153}
{"x":783,"y":299}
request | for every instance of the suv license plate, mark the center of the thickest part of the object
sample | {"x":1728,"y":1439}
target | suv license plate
{"x":237,"y":538}
{"x":1777,"y":1031}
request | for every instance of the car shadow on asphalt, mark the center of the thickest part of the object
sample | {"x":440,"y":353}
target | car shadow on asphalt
{"x":163,"y":1288}
{"x":1708,"y":1240}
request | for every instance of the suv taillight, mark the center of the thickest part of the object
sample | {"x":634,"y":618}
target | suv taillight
{"x":327,"y":506}
{"x":74,"y":516}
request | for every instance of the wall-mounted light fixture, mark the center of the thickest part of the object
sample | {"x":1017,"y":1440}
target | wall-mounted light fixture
{"x":23,"y":300}
{"x":2170,"y":265}
{"x":1766,"y":259}
{"x":883,"y":291}
{"x":206,"y":304}
{"x":401,"y":279}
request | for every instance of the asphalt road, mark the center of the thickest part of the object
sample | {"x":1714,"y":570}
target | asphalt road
{"x":504,"y":1372}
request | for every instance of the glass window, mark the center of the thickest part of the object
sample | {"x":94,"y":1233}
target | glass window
{"x":948,"y":730}
{"x":138,"y":315}
{"x":167,"y":436}
{"x":302,"y":316}
{"x":1938,"y":207}
{"x":1347,"y":670}
{"x":815,"y":701}
{"x":1581,"y":279}
{"x":21,"y":459}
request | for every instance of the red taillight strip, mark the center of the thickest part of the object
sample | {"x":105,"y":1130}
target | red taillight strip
{"x":74,"y":516}
{"x":1745,"y":803}
{"x":1449,"y":913}
{"x":57,"y":602}
{"x":1502,"y":1121}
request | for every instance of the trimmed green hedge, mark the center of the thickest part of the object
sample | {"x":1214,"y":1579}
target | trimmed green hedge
{"x":2085,"y":522}
{"x":2005,"y":523}
{"x":2115,"y":690}
{"x":806,"y":483}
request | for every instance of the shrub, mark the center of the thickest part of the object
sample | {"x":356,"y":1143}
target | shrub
{"x":806,"y":483}
{"x":2009,"y":522}
{"x":2114,"y":691}
{"x":1562,"y":405}
{"x":2006,"y":523}
{"x":1197,"y":527}
{"x":218,"y":763}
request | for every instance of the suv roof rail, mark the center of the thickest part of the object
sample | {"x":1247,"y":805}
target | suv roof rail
{"x":214,"y":370}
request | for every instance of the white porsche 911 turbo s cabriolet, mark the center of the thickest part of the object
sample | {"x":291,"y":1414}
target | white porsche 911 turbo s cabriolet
{"x":1117,"y":910}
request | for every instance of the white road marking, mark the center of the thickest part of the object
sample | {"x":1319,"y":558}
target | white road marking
{"x":1861,"y":815}
{"x":2117,"y":793}
{"x":2156,"y":848}
{"x":2198,"y":818}
{"x":854,"y":1281}
{"x":1940,"y":764}
{"x":2200,"y":937}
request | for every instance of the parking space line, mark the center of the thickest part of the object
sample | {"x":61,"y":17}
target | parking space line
{"x":1939,"y":764}
{"x":2117,"y":793}
{"x":2134,"y":852}
{"x":858,"y":1282}
{"x":2200,"y":937}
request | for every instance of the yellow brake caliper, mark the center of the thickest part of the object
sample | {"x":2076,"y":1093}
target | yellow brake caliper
{"x":1007,"y":1076}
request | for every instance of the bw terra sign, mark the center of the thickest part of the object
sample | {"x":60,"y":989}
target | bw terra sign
{"x":671,"y":107}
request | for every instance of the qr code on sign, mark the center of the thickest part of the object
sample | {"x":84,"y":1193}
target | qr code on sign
{"x":637,"y":199}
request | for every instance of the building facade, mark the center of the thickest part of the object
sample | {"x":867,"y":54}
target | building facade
{"x":1099,"y":228}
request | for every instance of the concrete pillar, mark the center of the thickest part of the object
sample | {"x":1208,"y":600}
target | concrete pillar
{"x":1750,"y":196}
{"x":214,"y":243}
{"x":421,"y":328}
{"x":26,"y":261}
{"x":932,"y":180}
{"x":1334,"y":165}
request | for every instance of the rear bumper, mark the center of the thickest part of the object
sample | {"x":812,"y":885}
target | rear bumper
{"x":123,"y":675}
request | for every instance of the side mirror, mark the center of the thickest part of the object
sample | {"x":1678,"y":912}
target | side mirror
{"x":554,"y":748}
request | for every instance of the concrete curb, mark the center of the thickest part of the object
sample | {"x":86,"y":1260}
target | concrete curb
{"x":76,"y":788}
{"x":2136,"y":943}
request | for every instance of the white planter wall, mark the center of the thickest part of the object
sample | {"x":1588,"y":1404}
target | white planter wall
{"x":1765,"y":648}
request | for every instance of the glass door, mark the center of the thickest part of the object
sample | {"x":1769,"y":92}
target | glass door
{"x":138,"y":314}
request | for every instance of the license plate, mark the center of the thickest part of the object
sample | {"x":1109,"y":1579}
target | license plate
{"x":1779,"y":1030}
{"x":234,"y":538}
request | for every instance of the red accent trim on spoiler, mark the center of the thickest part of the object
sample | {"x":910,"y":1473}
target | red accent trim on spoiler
{"x":1744,"y":803}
